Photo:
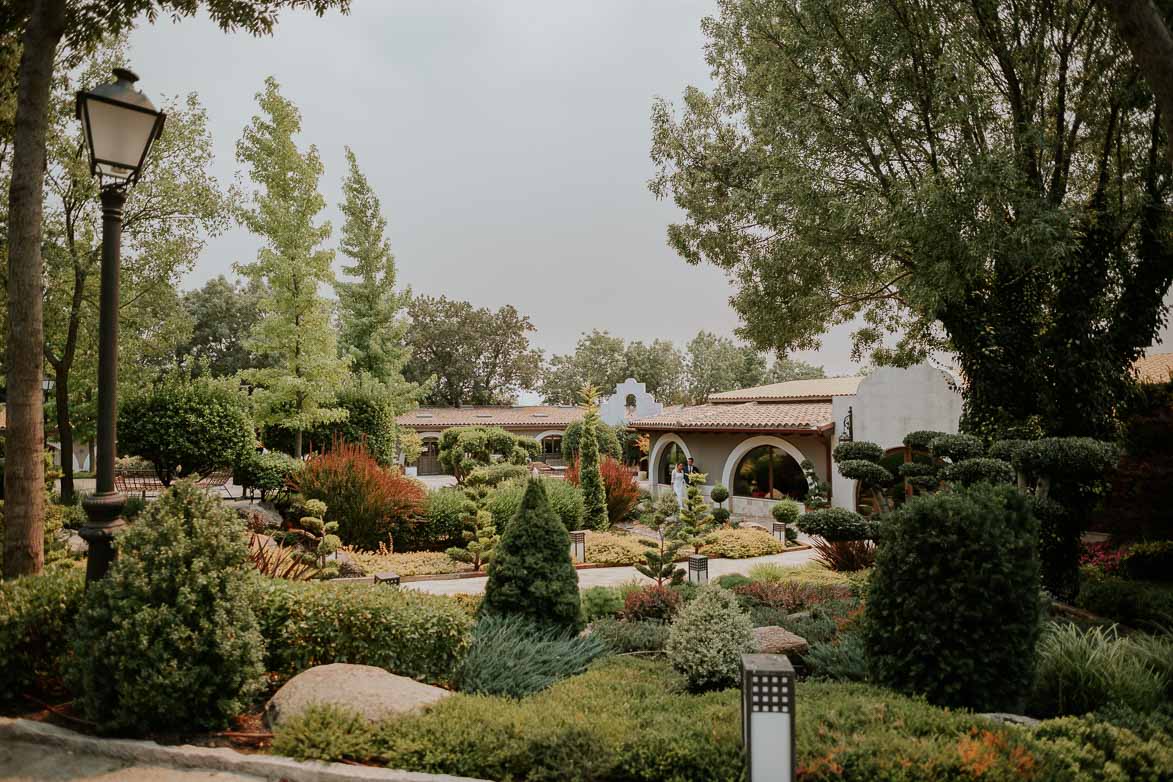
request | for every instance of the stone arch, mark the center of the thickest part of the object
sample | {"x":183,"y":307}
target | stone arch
{"x":658,"y":450}
{"x":745,"y":446}
{"x":550,"y":433}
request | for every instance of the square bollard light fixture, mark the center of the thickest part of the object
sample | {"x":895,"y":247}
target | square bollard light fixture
{"x":767,"y":717}
{"x":698,"y":569}
{"x":389,"y":578}
{"x":578,"y":546}
{"x":778,"y":530}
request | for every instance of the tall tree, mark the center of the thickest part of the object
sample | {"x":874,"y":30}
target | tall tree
{"x":719,"y":364}
{"x":178,"y":205}
{"x":222,"y":315}
{"x":659,"y":366}
{"x":466,"y":355}
{"x":41,"y":26}
{"x":294,"y":329}
{"x":598,"y":360}
{"x":978,"y":175}
{"x":1145,"y":28}
{"x":373,"y":332}
{"x":785,"y":369}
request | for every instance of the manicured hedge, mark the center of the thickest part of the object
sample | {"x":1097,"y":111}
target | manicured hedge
{"x":565,"y":499}
{"x":36,"y":617}
{"x":409,"y":633}
{"x":742,"y":544}
{"x":1141,"y":604}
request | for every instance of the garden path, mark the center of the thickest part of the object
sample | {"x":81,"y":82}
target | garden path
{"x":614,"y":576}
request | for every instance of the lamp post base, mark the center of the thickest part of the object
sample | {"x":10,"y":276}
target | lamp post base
{"x":103,"y":522}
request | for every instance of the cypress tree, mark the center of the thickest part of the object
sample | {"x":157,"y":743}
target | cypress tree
{"x":590,"y":478}
{"x":531,"y":573}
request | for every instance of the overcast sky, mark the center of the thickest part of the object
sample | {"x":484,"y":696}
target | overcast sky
{"x":508,"y":143}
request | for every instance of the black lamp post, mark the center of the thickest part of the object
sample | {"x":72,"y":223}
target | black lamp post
{"x":120,"y":126}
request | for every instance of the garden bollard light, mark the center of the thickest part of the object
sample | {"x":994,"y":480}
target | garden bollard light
{"x":389,"y":578}
{"x":767,"y":717}
{"x":578,"y":546}
{"x":698,"y":569}
{"x":778,"y":530}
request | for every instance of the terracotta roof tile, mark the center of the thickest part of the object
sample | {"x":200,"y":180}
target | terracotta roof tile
{"x":530,"y":417}
{"x":1157,"y":368}
{"x":820,"y":388}
{"x":767,"y":416}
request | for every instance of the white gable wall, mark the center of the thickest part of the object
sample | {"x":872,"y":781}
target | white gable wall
{"x":614,"y":411}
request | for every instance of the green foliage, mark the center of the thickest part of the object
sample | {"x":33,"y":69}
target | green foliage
{"x":868,"y":473}
{"x":741,"y":543}
{"x":1134,"y":603}
{"x":184,"y":426}
{"x":441,"y":526}
{"x":222,"y":313}
{"x":594,"y":496}
{"x":370,"y":418}
{"x":565,"y":499}
{"x":294,"y":329}
{"x":324,"y":731}
{"x":857,"y":450}
{"x":515,"y":657}
{"x":267,"y":473}
{"x":36,"y":622}
{"x":605,"y":434}
{"x":409,"y":633}
{"x":732,"y":580}
{"x":1149,"y":561}
{"x":978,"y":470}
{"x":719,"y":493}
{"x":651,"y":603}
{"x":694,"y":522}
{"x":1006,"y":449}
{"x":493,"y":475}
{"x":480,"y":541}
{"x":168,"y":639}
{"x":786,"y":512}
{"x":1080,"y":671}
{"x":957,"y":447}
{"x":600,"y":602}
{"x":843,"y":659}
{"x":531,"y":574}
{"x":659,"y":558}
{"x":838,"y":524}
{"x":624,"y":637}
{"x":953,"y":610}
{"x":1085,"y":748}
{"x":921,"y":439}
{"x":1070,"y":459}
{"x":465,"y":448}
{"x":819,"y":492}
{"x":708,"y":638}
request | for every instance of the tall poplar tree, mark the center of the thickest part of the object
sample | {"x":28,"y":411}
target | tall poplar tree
{"x":590,"y":478}
{"x":294,"y":329}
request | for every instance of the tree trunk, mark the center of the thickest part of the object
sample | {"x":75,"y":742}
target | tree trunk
{"x":64,"y":432}
{"x":24,"y":467}
{"x":297,"y":444}
{"x":1144,"y":30}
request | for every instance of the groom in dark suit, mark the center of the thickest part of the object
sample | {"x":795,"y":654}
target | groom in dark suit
{"x":689,"y":469}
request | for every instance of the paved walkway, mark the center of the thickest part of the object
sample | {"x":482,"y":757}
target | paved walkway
{"x":614,"y":576}
{"x":24,"y":762}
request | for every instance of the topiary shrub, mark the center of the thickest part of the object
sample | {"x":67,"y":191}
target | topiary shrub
{"x":464,"y":448}
{"x":594,"y":495}
{"x":921,"y":439}
{"x":1139,"y":604}
{"x":531,"y":573}
{"x":786,"y":512}
{"x":707,"y":639}
{"x":36,"y":621}
{"x":168,"y":639}
{"x":838,"y":524}
{"x":605,"y":434}
{"x":978,"y":470}
{"x":953,"y":607}
{"x":184,"y":426}
{"x":267,"y":473}
{"x":957,"y":447}
{"x":1149,"y":561}
{"x":858,"y":450}
{"x":719,"y":493}
{"x":514,"y":656}
{"x":324,"y":731}
{"x":565,"y":499}
{"x":656,"y":602}
{"x":493,"y":475}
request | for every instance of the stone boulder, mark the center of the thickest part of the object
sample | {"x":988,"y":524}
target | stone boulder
{"x":372,"y":692}
{"x":778,"y":640}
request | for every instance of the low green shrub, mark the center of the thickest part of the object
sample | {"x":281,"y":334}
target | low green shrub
{"x":493,"y":475}
{"x":600,"y":602}
{"x":786,"y":512}
{"x":842,"y":659}
{"x":1080,"y":671}
{"x":789,"y":596}
{"x":324,"y":731}
{"x":564,"y":498}
{"x":977,"y":470}
{"x":314,"y":623}
{"x":953,"y":610}
{"x":438,"y":527}
{"x":658,"y":603}
{"x":807,"y":573}
{"x":707,"y":639}
{"x":611,"y":548}
{"x":36,"y":620}
{"x":732,"y":580}
{"x":623,"y":637}
{"x":168,"y":640}
{"x":414,"y":563}
{"x":1141,"y":604}
{"x":1087,"y":748}
{"x":837,"y":524}
{"x":1149,"y":561}
{"x":957,"y":447}
{"x":513,"y":656}
{"x":742,"y":544}
{"x":266,"y":473}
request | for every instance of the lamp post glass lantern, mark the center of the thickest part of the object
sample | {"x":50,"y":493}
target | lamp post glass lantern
{"x":698,"y":569}
{"x":578,"y":546}
{"x":120,"y":125}
{"x":767,"y":717}
{"x":778,"y":529}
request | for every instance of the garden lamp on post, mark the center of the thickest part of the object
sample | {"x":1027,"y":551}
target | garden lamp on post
{"x":120,"y":125}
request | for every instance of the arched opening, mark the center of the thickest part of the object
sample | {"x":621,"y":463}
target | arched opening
{"x":429,"y":461}
{"x":672,"y":456}
{"x":630,"y":403}
{"x":552,"y":450}
{"x":768,"y":472}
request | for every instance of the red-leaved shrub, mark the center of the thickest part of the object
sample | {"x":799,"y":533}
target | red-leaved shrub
{"x":1104,"y":556}
{"x":369,"y":502}
{"x":789,"y":596}
{"x":618,"y":482}
{"x":845,"y":556}
{"x":651,"y":602}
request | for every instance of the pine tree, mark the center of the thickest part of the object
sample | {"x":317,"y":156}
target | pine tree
{"x":373,"y":333}
{"x":531,"y":573}
{"x":294,"y":329}
{"x":481,"y":540}
{"x":660,"y":558}
{"x":590,"y":478}
{"x":694,"y":523}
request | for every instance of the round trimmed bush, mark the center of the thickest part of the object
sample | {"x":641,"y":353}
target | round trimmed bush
{"x":786,"y":512}
{"x":953,"y":601}
{"x":957,"y":447}
{"x":168,"y":639}
{"x":867,"y":473}
{"x":267,"y":473}
{"x":835,"y":524}
{"x":858,"y":450}
{"x":565,"y":498}
{"x":921,"y":439}
{"x":707,"y":639}
{"x":719,"y":493}
{"x":978,"y":470}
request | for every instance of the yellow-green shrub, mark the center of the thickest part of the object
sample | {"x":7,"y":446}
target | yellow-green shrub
{"x":610,"y":548}
{"x":742,"y":543}
{"x":414,"y":563}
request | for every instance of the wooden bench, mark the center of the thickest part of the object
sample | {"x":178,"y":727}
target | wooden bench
{"x":144,"y":482}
